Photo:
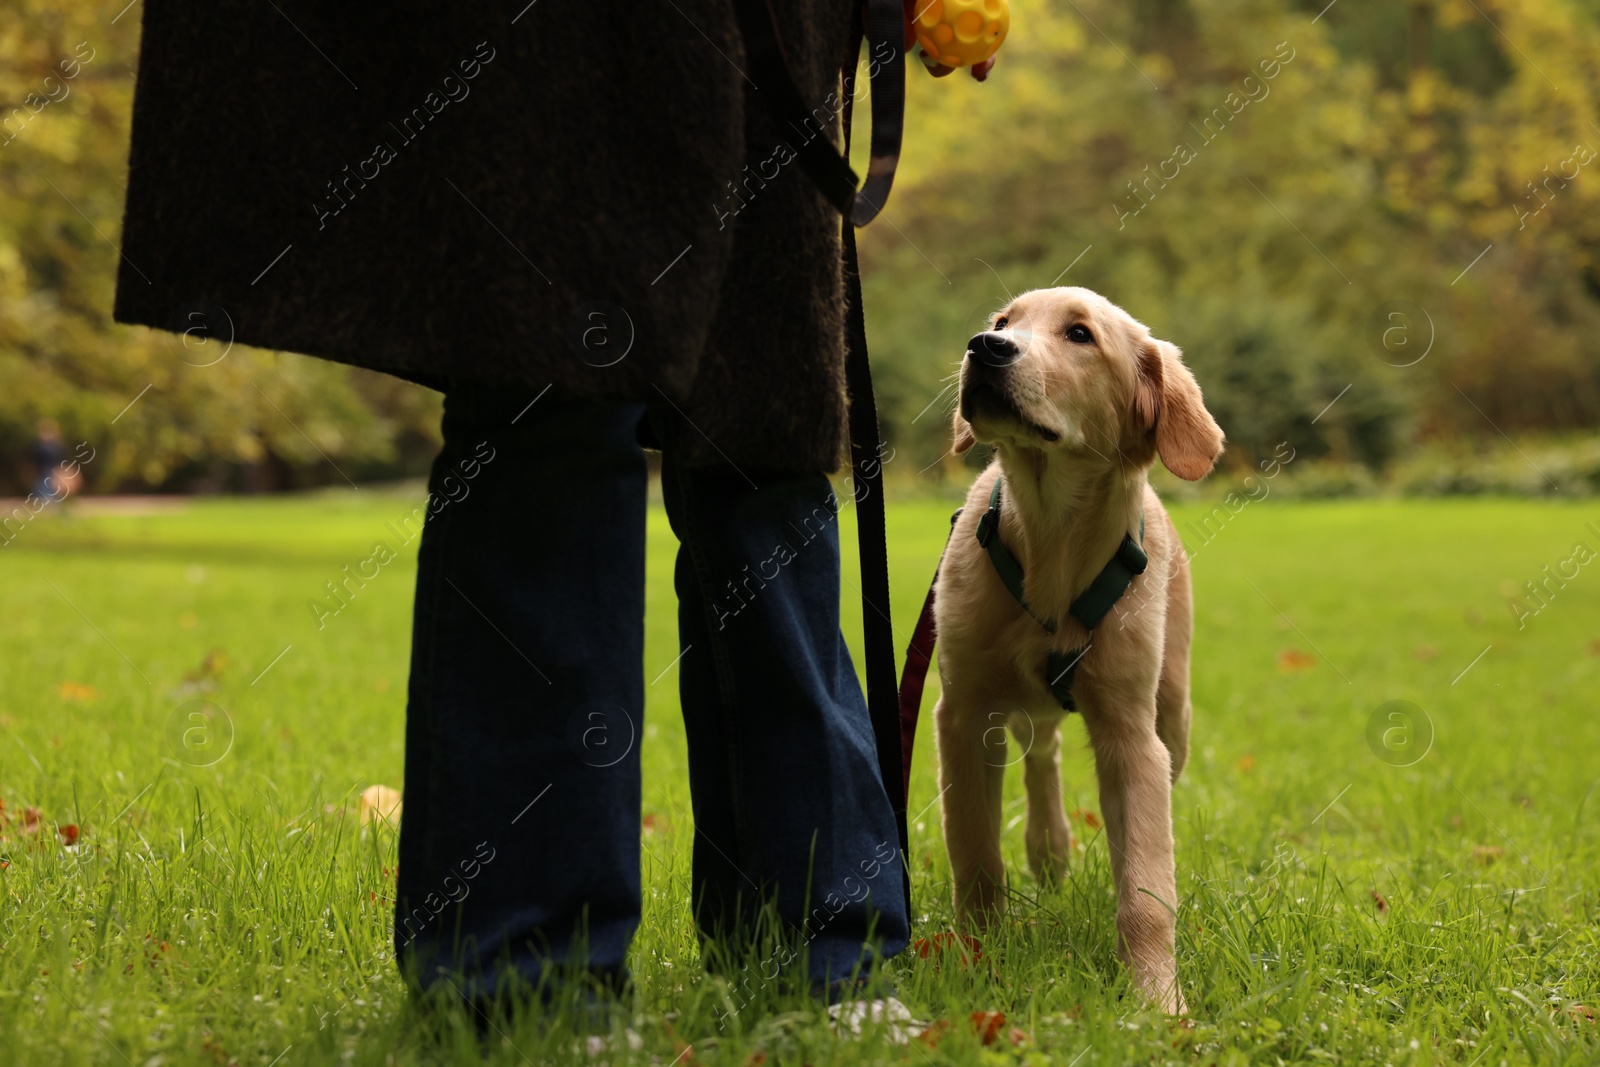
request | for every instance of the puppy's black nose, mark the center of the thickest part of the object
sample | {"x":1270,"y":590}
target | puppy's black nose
{"x":994,"y":349}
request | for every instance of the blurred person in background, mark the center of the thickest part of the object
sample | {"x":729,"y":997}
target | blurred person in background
{"x":53,"y":480}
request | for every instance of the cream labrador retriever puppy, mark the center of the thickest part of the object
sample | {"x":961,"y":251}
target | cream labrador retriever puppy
{"x":1078,"y":400}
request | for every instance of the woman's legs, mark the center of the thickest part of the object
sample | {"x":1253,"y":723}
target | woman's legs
{"x":521,"y":820}
{"x":526,"y":705}
{"x":788,"y":800}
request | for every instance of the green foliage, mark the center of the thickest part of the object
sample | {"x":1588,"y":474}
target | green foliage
{"x":208,"y":420}
{"x":1392,"y":146}
{"x":224,"y":913}
{"x":1530,"y":469}
{"x":1553,"y":467}
{"x":1373,"y":166}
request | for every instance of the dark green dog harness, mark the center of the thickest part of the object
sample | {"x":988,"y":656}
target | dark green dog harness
{"x":1089,"y":609}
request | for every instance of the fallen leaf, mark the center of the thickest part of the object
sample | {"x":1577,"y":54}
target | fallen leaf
{"x":934,"y":1033}
{"x":67,"y":834}
{"x":1088,"y":818}
{"x":1581,"y":1013}
{"x":1426,"y":653}
{"x":77,"y":691}
{"x":1383,"y":905}
{"x":987,"y":1025}
{"x":31,"y":820}
{"x":1245,"y":763}
{"x":939,"y":944}
{"x":213,"y":663}
{"x":1292,"y":659}
{"x":380,"y":803}
{"x":1487,"y":854}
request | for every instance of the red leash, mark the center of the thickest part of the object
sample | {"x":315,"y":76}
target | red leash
{"x":919,"y":654}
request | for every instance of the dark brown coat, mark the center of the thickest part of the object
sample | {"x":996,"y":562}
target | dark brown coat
{"x":449,"y":194}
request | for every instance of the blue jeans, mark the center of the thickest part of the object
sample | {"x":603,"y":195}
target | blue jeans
{"x":519,"y":843}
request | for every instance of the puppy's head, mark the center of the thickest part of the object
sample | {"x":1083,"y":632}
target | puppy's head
{"x":1069,"y":371}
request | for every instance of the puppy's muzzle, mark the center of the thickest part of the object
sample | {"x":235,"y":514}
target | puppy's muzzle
{"x":994,"y":349}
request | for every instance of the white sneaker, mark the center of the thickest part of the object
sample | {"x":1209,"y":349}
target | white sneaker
{"x":852,"y":1016}
{"x":598,"y":1045}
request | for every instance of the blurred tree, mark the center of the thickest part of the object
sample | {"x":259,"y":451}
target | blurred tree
{"x":249,"y":419}
{"x":1257,"y":180}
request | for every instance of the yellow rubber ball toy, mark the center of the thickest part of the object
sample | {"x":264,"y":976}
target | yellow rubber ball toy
{"x":962,"y":33}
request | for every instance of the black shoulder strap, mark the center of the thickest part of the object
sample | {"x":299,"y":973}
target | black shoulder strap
{"x":886,"y":63}
{"x":763,"y":51}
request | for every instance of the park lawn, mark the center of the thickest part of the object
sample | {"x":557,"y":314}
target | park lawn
{"x":1335,"y":906}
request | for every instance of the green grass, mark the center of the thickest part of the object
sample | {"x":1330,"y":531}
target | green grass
{"x":269,"y":898}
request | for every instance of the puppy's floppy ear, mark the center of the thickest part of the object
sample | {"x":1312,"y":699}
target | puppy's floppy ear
{"x":962,"y":431}
{"x":1168,"y":399}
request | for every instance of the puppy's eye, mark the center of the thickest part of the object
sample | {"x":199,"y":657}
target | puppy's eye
{"x":1000,"y":323}
{"x":1080,"y":335}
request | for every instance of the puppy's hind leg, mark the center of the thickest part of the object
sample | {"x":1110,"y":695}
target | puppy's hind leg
{"x":1172,"y":691}
{"x":969,"y":786}
{"x":1048,"y":838}
{"x":1173,"y":712}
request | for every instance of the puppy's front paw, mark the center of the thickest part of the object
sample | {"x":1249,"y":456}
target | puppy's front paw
{"x":1157,"y":983}
{"x":1145,"y":931}
{"x":1170,"y":1000}
{"x":980,"y":902}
